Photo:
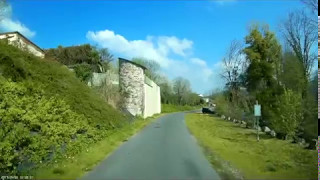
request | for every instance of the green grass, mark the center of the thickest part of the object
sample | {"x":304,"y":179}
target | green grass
{"x":229,"y":147}
{"x":76,"y":166}
{"x":168,"y":108}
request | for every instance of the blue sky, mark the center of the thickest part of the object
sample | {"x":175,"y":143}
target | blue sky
{"x":187,"y":38}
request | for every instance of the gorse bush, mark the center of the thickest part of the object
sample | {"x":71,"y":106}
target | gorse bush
{"x":46,"y":113}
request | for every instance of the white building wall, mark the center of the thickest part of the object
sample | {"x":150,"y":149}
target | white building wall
{"x":152,"y":100}
{"x":15,"y":39}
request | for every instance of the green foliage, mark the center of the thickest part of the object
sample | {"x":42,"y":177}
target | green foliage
{"x":98,"y":59}
{"x":74,"y":54}
{"x":263,"y":73}
{"x":32,"y":125}
{"x":75,"y":166}
{"x":292,"y":75}
{"x":288,"y":113}
{"x":263,"y":52}
{"x":83,"y":72}
{"x":46,"y":112}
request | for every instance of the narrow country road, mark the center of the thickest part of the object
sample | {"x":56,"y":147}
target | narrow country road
{"x":163,"y":150}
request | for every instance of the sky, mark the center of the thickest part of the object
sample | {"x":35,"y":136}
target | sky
{"x":187,"y":38}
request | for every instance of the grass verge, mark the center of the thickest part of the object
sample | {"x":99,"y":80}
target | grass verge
{"x":168,"y":108}
{"x":77,"y":166}
{"x":230,"y":147}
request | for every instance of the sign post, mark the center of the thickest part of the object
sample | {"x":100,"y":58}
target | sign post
{"x":257,"y":114}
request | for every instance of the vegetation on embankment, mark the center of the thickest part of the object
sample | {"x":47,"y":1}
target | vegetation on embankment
{"x":46,"y":113}
{"x":73,"y":167}
{"x":168,"y":108}
{"x":269,"y":158}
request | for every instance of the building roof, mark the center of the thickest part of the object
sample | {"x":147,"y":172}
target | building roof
{"x":125,"y":60}
{"x":16,"y":32}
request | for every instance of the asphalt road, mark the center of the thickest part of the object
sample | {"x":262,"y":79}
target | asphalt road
{"x":163,"y":150}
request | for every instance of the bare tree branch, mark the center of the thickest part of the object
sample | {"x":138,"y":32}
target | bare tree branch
{"x":233,"y":64}
{"x":312,"y":5}
{"x":300,"y":34}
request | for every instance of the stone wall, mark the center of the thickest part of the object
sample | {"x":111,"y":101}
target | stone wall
{"x":131,"y":81}
{"x":98,"y":79}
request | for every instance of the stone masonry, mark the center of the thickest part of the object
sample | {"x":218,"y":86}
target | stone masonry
{"x":131,"y":81}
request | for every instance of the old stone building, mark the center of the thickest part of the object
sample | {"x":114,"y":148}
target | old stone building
{"x":142,"y":96}
{"x":17,"y":39}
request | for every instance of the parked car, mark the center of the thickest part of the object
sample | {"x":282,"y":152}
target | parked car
{"x":208,"y":110}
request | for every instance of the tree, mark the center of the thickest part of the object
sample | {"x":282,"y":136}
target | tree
{"x":292,"y":76}
{"x":105,"y":57}
{"x":312,"y":5}
{"x":263,"y":53}
{"x":98,"y":59}
{"x":300,"y":34}
{"x":233,"y":65}
{"x":181,"y":88}
{"x":165,"y":90}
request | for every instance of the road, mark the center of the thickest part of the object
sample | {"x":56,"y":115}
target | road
{"x":163,"y":150}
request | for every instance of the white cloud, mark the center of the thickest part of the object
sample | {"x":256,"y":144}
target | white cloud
{"x":173,"y":54}
{"x":174,"y":44}
{"x":198,"y":61}
{"x":134,"y":48}
{"x":7,"y":24}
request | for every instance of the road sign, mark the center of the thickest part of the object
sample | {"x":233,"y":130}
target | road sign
{"x":257,"y":110}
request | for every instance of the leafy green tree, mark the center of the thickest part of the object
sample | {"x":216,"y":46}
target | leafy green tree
{"x":262,"y":76}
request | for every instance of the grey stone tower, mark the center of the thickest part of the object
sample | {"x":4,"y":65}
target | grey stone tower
{"x":131,"y":82}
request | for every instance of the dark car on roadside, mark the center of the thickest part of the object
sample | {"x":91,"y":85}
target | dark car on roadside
{"x":208,"y":110}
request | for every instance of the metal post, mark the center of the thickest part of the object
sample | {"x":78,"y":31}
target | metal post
{"x":257,"y":128}
{"x":257,"y":124}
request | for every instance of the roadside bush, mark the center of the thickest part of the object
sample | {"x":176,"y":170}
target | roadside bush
{"x":288,"y":114}
{"x":222,"y":105}
{"x":33,"y":125}
{"x":83,"y":72}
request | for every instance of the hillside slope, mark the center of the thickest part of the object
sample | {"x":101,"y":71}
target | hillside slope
{"x":46,"y":113}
